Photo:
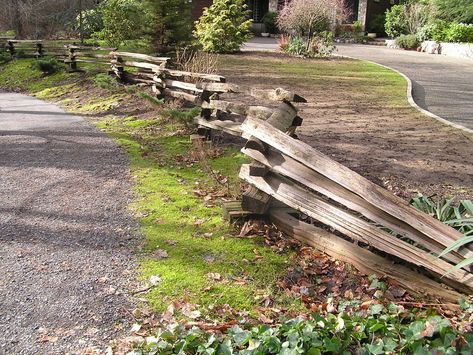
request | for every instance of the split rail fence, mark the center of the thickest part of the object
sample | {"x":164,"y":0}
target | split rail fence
{"x":303,"y":192}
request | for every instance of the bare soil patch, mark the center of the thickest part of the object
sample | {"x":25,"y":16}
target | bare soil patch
{"x":358,"y":114}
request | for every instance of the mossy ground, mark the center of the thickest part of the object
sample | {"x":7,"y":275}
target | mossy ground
{"x":192,"y":232}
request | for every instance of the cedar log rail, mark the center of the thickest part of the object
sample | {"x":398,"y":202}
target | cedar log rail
{"x":291,"y":183}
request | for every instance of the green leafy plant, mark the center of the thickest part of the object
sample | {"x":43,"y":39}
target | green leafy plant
{"x":153,"y":99}
{"x":396,"y":21}
{"x":459,"y":32}
{"x":454,"y":10}
{"x":269,"y":21}
{"x":122,"y":20}
{"x":357,"y":26}
{"x":224,"y":26}
{"x":377,"y":330}
{"x":297,"y":46}
{"x":424,"y":33}
{"x":459,"y":217}
{"x":5,"y":57}
{"x":92,"y":21}
{"x":322,"y":45}
{"x":105,"y":81}
{"x":407,"y":41}
{"x":439,"y":30}
{"x":170,"y":23}
{"x":48,"y":65}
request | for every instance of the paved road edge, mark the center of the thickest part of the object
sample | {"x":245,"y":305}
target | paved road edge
{"x":410,"y":98}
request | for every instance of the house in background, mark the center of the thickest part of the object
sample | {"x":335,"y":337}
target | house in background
{"x":363,"y":10}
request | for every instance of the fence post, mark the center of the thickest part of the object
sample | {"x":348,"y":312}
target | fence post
{"x":11,"y":47}
{"x":39,"y":49}
{"x":70,"y":61}
{"x":117,"y":67}
{"x":159,"y":79}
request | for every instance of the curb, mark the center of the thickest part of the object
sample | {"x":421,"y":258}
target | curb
{"x":410,"y":98}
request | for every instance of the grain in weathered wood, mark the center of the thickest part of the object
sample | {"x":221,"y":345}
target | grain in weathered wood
{"x":219,"y":87}
{"x":281,"y":119}
{"x":145,"y":57}
{"x":278,"y":94}
{"x":180,"y":74}
{"x":232,"y":211}
{"x":287,"y":166}
{"x":150,"y":66}
{"x":354,"y":227}
{"x":182,"y":95}
{"x":258,"y":169}
{"x":362,"y":259}
{"x":238,"y":108}
{"x":354,"y":182}
{"x":256,"y":201}
{"x":226,"y":126}
{"x":182,"y":85}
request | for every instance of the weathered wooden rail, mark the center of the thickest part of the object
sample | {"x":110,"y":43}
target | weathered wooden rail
{"x":364,"y":215}
{"x":369,"y":221}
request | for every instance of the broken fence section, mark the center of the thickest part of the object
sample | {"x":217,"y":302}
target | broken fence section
{"x":364,"y":215}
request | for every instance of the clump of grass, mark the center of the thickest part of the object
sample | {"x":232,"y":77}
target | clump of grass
{"x":184,"y":117}
{"x":5,"y":57}
{"x":154,"y":100}
{"x":105,"y":81}
{"x":47,"y":65}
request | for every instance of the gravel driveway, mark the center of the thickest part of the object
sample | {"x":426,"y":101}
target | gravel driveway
{"x":66,"y":237}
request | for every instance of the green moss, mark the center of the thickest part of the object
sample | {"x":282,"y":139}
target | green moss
{"x":100,"y":105}
{"x":195,"y":237}
{"x":54,"y":92}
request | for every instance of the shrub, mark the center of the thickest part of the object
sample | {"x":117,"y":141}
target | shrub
{"x":425,"y":32}
{"x":357,"y":26}
{"x":459,"y":32}
{"x":48,"y":65}
{"x":92,"y":21}
{"x":105,"y":81}
{"x":269,"y":21}
{"x":122,"y":21}
{"x":308,"y":17}
{"x":224,"y":26}
{"x":193,"y":60}
{"x":5,"y":57}
{"x":396,"y":21}
{"x":438,"y":30}
{"x":417,"y":15}
{"x":283,"y":42}
{"x":152,"y":99}
{"x":454,"y":10}
{"x":297,"y":46}
{"x":321,"y":45}
{"x":170,"y":23}
{"x":407,"y":41}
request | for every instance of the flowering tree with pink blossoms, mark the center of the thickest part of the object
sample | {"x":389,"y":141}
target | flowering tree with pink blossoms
{"x":309,"y":17}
